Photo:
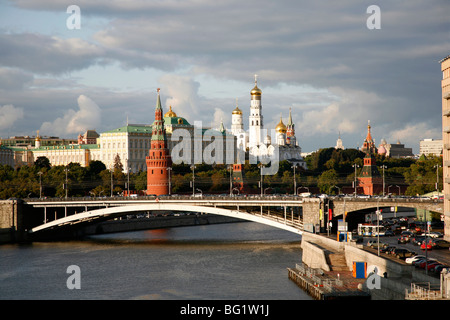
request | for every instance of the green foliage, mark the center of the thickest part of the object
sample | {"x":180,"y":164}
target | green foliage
{"x":330,"y":170}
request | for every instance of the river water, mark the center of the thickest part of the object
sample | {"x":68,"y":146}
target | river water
{"x":223,"y":261}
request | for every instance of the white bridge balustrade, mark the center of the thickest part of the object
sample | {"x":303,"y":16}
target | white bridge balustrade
{"x":291,"y":213}
{"x":265,"y":211}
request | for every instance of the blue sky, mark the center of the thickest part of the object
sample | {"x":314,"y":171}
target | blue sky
{"x":316,"y":57}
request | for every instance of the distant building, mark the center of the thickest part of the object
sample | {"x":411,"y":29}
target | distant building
{"x":445,"y":83}
{"x":431,"y":147}
{"x":339,"y":145}
{"x":396,"y":150}
{"x":6,"y":156}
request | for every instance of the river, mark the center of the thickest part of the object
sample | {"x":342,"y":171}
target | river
{"x":222,"y":261}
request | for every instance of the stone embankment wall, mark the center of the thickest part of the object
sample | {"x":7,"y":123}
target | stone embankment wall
{"x":395,"y":275}
{"x":11,"y":220}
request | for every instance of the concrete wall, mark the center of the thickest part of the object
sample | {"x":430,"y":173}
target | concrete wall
{"x":314,"y":256}
{"x":11,"y":220}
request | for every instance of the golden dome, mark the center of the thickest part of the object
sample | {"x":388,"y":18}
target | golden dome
{"x":256,"y":91}
{"x":170,"y":113}
{"x":281,"y":128}
{"x":237,"y":111}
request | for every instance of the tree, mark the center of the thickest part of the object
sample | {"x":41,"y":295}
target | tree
{"x":42,"y":162}
{"x":327,"y":180}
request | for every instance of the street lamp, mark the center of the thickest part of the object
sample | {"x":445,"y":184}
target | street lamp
{"x":384,"y":186}
{"x":128,"y":182}
{"x":295,"y":182}
{"x":339,"y":189}
{"x":40,"y":173}
{"x":230,"y":167}
{"x":112,"y":181}
{"x":170,"y":182}
{"x":355,"y":166}
{"x":437,"y":180}
{"x":260,"y":165}
{"x":66,"y":185}
{"x":193,"y":179}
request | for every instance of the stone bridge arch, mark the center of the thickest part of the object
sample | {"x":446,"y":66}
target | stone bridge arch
{"x":104,"y":213}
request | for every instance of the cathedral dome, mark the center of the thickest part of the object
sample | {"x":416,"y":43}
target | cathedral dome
{"x":237,"y":111}
{"x":170,"y":113}
{"x":256,"y":91}
{"x":280,"y":128}
{"x":381,"y":150}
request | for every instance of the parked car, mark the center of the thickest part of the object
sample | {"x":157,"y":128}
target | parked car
{"x":374,"y":243}
{"x":441,"y":244}
{"x":417,"y":240}
{"x":387,"y":249}
{"x":417,"y":263}
{"x":406,"y":234}
{"x":433,"y":234}
{"x":429,"y":245}
{"x":431,"y":265}
{"x":412,"y":259}
{"x":438,"y":269}
{"x":403,"y":239}
{"x":425,"y":262}
{"x":402,"y":253}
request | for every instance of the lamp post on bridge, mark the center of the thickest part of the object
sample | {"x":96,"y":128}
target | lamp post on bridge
{"x":40,"y":173}
{"x":384,"y":185}
{"x":437,"y":179}
{"x":170,"y":178}
{"x":193,"y":179}
{"x":295,"y":181}
{"x":355,"y":166}
{"x":66,"y":184}
{"x":230,"y":167}
{"x":260,"y":165}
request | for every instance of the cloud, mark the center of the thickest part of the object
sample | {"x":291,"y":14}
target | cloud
{"x":88,"y":116}
{"x":181,"y":92}
{"x":411,"y":133}
{"x":9,"y":115}
{"x":47,"y":55}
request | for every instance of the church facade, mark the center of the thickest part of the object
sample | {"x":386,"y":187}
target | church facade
{"x":257,"y":141}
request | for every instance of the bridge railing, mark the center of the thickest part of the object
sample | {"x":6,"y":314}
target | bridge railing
{"x":173,"y":197}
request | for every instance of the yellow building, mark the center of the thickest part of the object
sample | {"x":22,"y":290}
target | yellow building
{"x":445,"y":67}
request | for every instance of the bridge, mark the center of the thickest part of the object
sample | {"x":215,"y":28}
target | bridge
{"x":272,"y":212}
{"x":285,"y":212}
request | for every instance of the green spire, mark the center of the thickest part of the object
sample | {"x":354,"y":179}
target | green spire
{"x":158,"y":102}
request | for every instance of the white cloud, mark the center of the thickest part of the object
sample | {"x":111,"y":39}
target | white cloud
{"x":411,"y":134}
{"x":8,"y":115}
{"x":88,"y":116}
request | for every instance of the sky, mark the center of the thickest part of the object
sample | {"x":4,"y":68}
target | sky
{"x":324,"y":60}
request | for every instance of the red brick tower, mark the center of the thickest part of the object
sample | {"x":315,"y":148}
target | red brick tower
{"x":159,"y":158}
{"x":369,"y":178}
{"x":238,"y":178}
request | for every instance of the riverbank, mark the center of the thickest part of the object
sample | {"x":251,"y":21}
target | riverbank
{"x":328,"y":271}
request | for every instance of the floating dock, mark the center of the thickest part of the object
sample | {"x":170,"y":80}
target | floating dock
{"x":329,"y":285}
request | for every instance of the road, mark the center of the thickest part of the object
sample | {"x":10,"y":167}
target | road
{"x":442,"y":255}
